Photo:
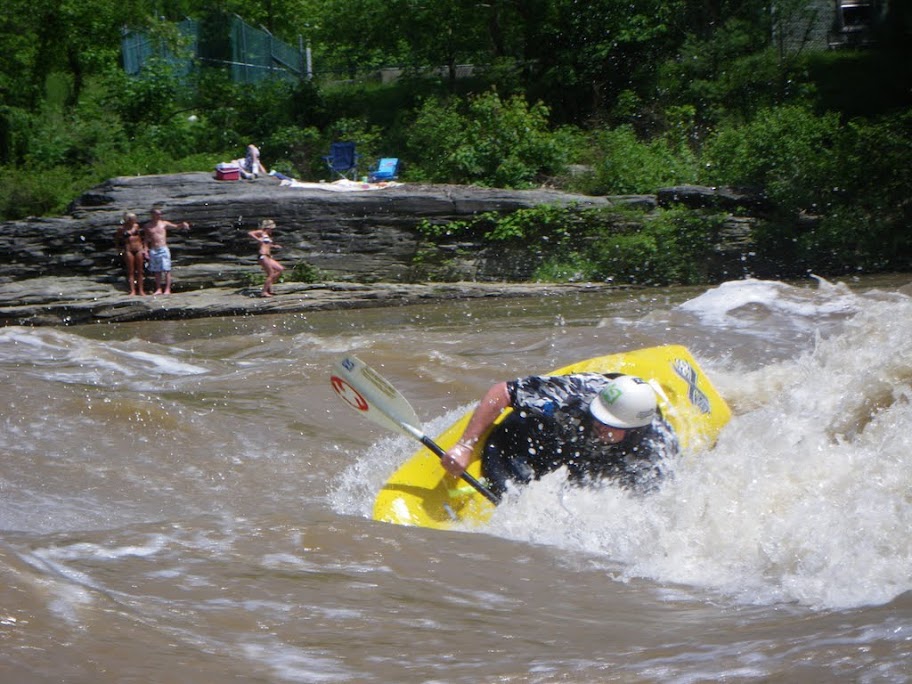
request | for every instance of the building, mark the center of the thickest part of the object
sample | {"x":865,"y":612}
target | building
{"x":827,"y":24}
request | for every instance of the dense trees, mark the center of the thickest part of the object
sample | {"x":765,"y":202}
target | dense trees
{"x":631,"y":96}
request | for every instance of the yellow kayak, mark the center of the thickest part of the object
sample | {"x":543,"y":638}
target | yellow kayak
{"x":421,"y":493}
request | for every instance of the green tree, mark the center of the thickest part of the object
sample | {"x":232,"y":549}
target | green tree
{"x":597,"y":50}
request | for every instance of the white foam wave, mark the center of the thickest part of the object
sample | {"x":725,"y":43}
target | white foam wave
{"x":64,"y":357}
{"x":805,"y":498}
{"x":750,"y":303}
{"x":165,"y":365}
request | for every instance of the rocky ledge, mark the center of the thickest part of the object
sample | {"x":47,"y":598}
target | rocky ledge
{"x":361,"y":239}
{"x":75,"y":300}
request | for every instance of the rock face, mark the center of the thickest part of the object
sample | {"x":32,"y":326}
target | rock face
{"x":358,"y":235}
{"x":700,"y":197}
{"x":362,"y":240}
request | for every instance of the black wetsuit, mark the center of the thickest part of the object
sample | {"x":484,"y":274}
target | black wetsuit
{"x":551,"y":427}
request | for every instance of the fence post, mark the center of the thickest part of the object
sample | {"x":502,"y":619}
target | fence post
{"x":244,"y":48}
{"x":308,"y":60}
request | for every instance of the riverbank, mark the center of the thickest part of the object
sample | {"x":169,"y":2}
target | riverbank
{"x":362,"y":241}
{"x":61,"y":301}
{"x":347,"y":232}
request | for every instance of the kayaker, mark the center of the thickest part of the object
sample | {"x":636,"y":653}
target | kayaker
{"x":598,"y":426}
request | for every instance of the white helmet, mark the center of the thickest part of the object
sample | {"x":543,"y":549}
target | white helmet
{"x":625,"y":402}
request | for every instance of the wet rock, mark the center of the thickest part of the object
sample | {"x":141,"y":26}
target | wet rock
{"x":701,"y":197}
{"x":77,"y":300}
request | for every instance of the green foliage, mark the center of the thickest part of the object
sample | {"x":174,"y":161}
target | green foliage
{"x":876,"y":167}
{"x":25,"y":192}
{"x":15,"y":134}
{"x":624,"y":164}
{"x":727,"y":74}
{"x":860,"y":83}
{"x":854,"y":176}
{"x":610,"y":245}
{"x":544,"y":223}
{"x":671,"y":247}
{"x":646,"y":95}
{"x":485,"y":140}
{"x":76,"y":39}
{"x":232,"y":115}
{"x":292,"y":150}
{"x":869,"y":211}
{"x":787,"y":151}
{"x":152,"y":99}
{"x":303,"y":272}
{"x":570,"y":268}
{"x":592,"y":51}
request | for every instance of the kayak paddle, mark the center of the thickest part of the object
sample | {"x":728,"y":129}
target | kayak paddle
{"x":369,"y":393}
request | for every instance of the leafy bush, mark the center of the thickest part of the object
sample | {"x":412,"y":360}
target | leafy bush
{"x":597,"y":244}
{"x":29,"y":192}
{"x":671,"y":247}
{"x":869,"y":210}
{"x":623,"y":164}
{"x":550,"y":225}
{"x":293,"y":151}
{"x":15,"y":134}
{"x":154,"y":97}
{"x":787,"y":151}
{"x":853,"y":177}
{"x":301,"y":272}
{"x":730,"y":74}
{"x":483,"y":140}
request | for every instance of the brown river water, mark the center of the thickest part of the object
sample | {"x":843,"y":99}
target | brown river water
{"x":189,"y":501}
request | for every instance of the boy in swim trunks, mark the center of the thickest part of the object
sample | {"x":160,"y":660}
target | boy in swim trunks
{"x":155,"y":237}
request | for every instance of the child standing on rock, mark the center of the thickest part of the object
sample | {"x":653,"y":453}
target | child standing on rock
{"x":272,"y":268}
{"x":155,"y":238}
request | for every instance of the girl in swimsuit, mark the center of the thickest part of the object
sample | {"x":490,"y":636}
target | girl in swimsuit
{"x":270,"y":266}
{"x":129,"y":240}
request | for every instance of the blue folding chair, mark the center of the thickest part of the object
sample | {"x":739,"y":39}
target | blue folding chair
{"x":343,"y":160}
{"x":386,"y":169}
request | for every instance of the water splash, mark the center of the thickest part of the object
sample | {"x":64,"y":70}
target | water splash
{"x":806,"y":496}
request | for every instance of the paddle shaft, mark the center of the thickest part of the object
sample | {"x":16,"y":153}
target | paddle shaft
{"x":372,"y":395}
{"x":480,"y":488}
{"x":408,"y":428}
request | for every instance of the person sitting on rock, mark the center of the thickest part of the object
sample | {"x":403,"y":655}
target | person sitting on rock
{"x":251,"y":166}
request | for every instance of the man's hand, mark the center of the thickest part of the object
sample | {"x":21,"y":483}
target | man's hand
{"x":457,"y":459}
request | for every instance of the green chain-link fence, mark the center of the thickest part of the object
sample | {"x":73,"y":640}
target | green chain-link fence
{"x":251,"y":54}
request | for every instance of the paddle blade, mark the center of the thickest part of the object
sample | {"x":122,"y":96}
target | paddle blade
{"x":371,"y":395}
